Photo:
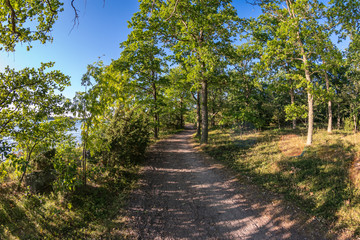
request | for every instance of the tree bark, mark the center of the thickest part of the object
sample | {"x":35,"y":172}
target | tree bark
{"x":310,"y":119}
{"x":156,"y":116}
{"x":292,"y":98}
{"x":338,"y":116}
{"x":181,"y":113}
{"x":329,"y":128}
{"x":355,"y":123}
{"x":26,"y":166}
{"x":204,"y":112}
{"x":310,"y":96}
{"x":198,"y":115}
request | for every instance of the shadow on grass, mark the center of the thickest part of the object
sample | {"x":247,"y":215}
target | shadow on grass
{"x":90,"y":212}
{"x":318,"y":180}
{"x":14,"y":220}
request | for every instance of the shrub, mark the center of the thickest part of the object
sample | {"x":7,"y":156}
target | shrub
{"x":125,"y":141}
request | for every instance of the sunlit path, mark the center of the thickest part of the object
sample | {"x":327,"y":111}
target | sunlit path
{"x":183,"y":196}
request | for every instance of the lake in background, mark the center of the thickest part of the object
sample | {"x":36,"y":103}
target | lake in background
{"x":76,"y":133}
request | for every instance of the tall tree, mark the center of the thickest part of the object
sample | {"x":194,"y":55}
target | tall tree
{"x":299,"y":25}
{"x":198,"y":32}
{"x":142,"y":61}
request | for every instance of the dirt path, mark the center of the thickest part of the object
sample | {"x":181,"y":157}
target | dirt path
{"x":185,"y":196}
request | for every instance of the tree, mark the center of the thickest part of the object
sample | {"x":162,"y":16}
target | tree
{"x":299,"y":26}
{"x":16,"y":15}
{"x":198,"y":33}
{"x":30,"y":93}
{"x":142,"y":62}
{"x":27,"y":98}
{"x":37,"y":136}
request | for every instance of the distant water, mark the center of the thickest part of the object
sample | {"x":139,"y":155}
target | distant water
{"x":77,"y":132}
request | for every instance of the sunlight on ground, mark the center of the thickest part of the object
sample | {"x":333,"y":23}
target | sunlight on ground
{"x":292,"y":145}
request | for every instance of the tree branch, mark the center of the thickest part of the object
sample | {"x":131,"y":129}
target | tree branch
{"x":176,"y":3}
{"x":13,"y":17}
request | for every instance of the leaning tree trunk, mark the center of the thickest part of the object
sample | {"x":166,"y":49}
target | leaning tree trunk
{"x":310,"y":97}
{"x":204,"y":112}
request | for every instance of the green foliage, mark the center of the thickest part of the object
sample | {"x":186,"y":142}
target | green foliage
{"x":15,"y":18}
{"x":294,"y":111}
{"x":30,"y":94}
{"x":66,"y":163}
{"x":127,"y":137}
{"x":349,"y":124}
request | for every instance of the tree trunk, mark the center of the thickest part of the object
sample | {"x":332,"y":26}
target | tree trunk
{"x":212,"y":122}
{"x":26,"y":166}
{"x":156,"y":116}
{"x":204,"y":112}
{"x":181,"y":113}
{"x":329,"y":129}
{"x":310,"y":114}
{"x":198,"y":115}
{"x":292,"y":98}
{"x":310,"y":96}
{"x":355,"y":123}
{"x":338,"y":116}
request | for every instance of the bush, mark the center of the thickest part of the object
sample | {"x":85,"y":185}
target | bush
{"x":125,"y":141}
{"x":349,"y":124}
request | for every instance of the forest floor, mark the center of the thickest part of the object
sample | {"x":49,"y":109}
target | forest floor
{"x":185,"y":194}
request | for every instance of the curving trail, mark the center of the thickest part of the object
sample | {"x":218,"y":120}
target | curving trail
{"x":183,"y":195}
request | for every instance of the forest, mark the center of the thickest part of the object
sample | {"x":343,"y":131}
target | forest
{"x":274,"y":98}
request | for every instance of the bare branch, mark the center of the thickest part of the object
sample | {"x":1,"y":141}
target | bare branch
{"x":76,"y":17}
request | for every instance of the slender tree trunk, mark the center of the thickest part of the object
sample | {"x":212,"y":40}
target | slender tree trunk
{"x":26,"y":166}
{"x":84,"y":151}
{"x":329,"y":129}
{"x":212,"y":120}
{"x":338,"y":116}
{"x":84,"y":164}
{"x":355,"y":123}
{"x":310,"y":114}
{"x":181,"y":113}
{"x":156,"y":115}
{"x":309,"y":94}
{"x":204,"y":112}
{"x":292,"y":98}
{"x":198,"y":115}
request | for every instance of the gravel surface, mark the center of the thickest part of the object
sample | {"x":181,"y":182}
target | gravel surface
{"x":186,"y":195}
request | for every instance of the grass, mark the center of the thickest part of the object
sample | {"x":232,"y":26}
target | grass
{"x":91,"y":212}
{"x":321,"y":179}
{"x":96,"y":211}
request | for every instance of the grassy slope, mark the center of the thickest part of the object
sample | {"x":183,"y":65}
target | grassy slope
{"x":94,"y":212}
{"x":319,"y":179}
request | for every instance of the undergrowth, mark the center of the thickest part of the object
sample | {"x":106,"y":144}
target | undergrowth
{"x":90,"y":212}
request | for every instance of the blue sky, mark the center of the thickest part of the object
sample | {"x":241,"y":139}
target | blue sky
{"x":100,"y":31}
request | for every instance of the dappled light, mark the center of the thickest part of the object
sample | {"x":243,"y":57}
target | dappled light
{"x":184,"y":195}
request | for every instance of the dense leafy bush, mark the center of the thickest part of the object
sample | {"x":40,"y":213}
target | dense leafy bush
{"x":124,"y":143}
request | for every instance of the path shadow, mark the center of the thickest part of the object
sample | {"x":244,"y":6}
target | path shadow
{"x":184,"y":196}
